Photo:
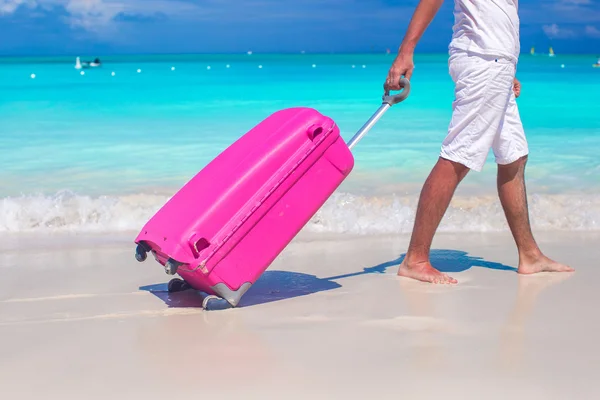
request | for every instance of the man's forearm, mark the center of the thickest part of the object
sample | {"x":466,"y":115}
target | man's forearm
{"x":422,"y":17}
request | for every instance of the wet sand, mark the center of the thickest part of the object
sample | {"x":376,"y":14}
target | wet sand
{"x":81,"y":319}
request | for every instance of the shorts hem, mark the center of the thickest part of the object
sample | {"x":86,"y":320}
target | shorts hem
{"x":468,"y":164}
{"x":510,"y":160}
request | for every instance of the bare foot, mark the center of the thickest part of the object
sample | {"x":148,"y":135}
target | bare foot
{"x":541,"y":264}
{"x":424,"y":272}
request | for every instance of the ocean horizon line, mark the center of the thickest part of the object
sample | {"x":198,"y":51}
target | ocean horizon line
{"x":17,"y":59}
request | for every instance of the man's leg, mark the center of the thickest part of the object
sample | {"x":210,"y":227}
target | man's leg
{"x":513,"y":196}
{"x":435,"y":197}
{"x":511,"y":149}
{"x":470,"y":135}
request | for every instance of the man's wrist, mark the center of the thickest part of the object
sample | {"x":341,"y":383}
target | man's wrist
{"x":407,"y":48}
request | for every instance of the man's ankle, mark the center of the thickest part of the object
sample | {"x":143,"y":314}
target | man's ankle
{"x":415,"y":259}
{"x":530,"y":254}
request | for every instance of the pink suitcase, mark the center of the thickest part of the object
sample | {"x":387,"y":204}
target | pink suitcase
{"x":224,"y":228}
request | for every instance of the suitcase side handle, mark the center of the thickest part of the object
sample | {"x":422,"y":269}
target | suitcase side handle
{"x":388,"y":101}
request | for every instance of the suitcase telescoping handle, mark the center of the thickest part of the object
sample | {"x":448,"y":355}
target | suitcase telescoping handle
{"x":388,"y":101}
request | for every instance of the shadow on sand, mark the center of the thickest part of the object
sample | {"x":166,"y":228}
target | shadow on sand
{"x":280,"y":285}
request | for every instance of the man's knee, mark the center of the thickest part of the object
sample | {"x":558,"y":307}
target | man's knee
{"x":459,"y":169}
{"x":514,"y":170}
{"x":518,"y":163}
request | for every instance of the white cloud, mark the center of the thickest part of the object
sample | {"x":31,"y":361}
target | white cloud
{"x":94,"y":15}
{"x":10,"y":6}
{"x":560,"y":12}
{"x":98,"y":16}
{"x":592,"y":31}
{"x":555,"y":32}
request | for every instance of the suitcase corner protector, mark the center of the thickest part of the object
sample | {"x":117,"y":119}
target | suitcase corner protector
{"x":232,"y":296}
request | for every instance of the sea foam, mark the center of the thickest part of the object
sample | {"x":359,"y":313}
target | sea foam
{"x":342,"y":213}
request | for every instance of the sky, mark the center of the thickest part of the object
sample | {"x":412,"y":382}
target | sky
{"x":103,"y":27}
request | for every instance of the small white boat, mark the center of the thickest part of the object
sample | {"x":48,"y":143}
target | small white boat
{"x":87,"y":64}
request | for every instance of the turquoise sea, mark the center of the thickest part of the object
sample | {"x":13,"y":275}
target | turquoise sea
{"x":104,"y":150}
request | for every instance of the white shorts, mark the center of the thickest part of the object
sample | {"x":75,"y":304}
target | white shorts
{"x":485,"y":113}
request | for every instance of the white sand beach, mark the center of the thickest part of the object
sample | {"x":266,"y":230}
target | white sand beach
{"x":81,"y":319}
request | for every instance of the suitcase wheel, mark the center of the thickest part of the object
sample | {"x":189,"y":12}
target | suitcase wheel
{"x":178,"y":285}
{"x":171,"y":266}
{"x":141,"y":253}
{"x":212,"y":302}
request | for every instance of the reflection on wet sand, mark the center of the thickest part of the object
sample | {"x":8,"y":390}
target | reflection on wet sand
{"x":209,"y":346}
{"x":428,"y":347}
{"x":512,"y":341}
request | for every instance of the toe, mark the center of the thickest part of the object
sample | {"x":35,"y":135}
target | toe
{"x":449,"y":279}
